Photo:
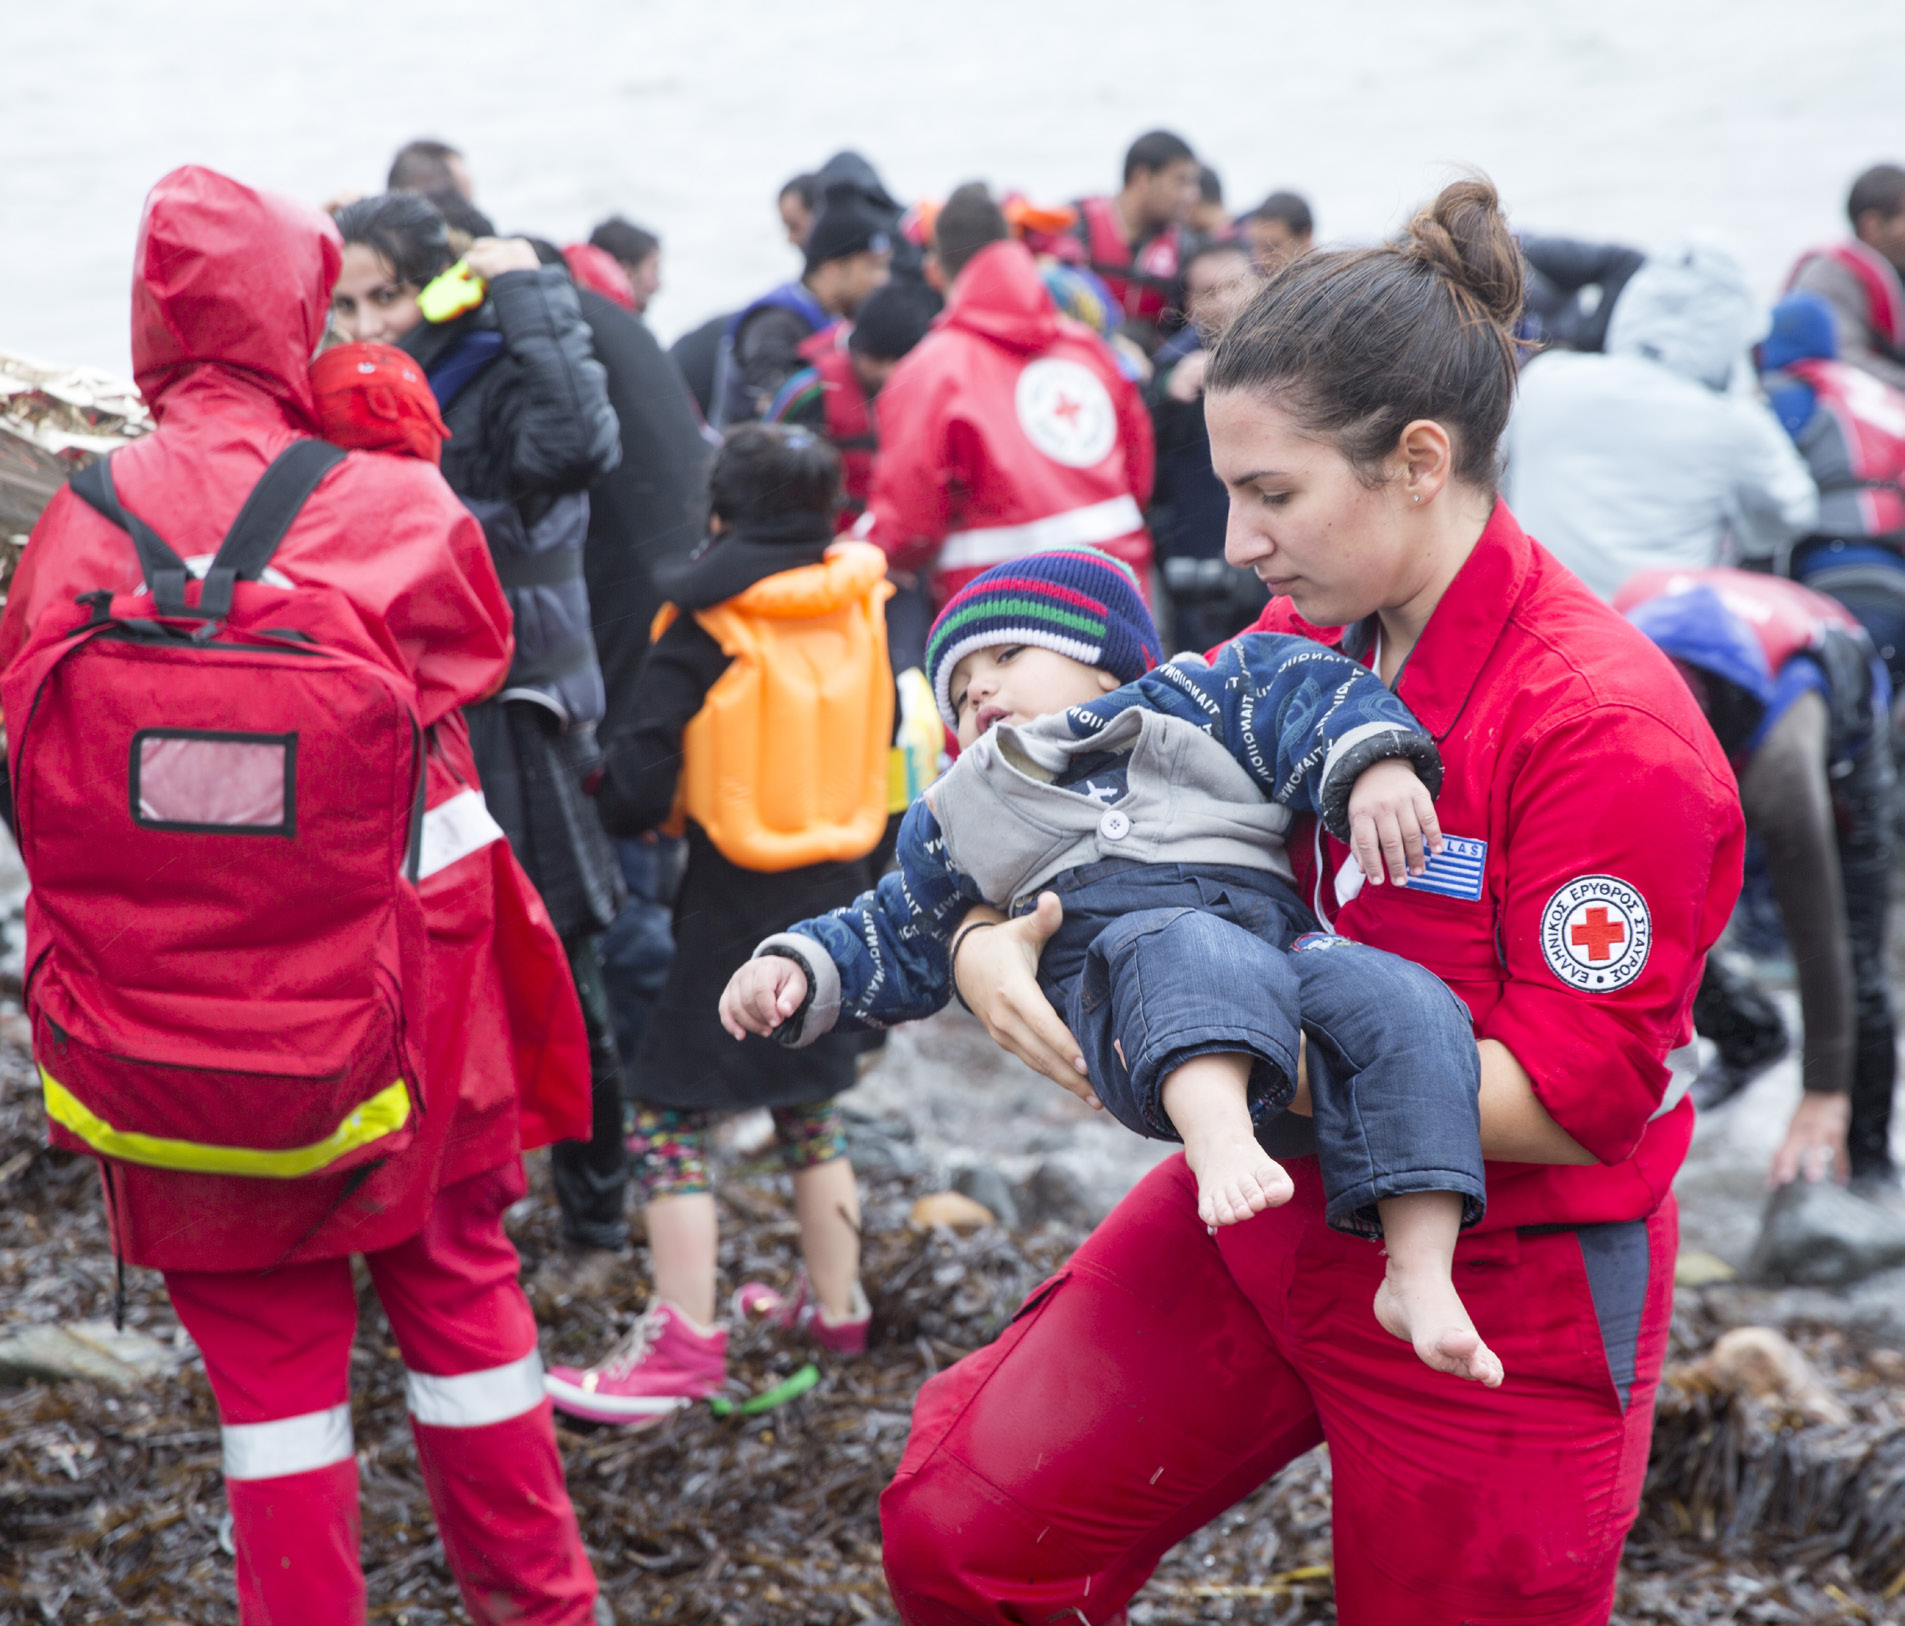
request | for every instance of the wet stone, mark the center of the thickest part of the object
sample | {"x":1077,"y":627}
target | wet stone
{"x":986,"y":1186}
{"x":89,"y":1351}
{"x":1053,"y":1195}
{"x":1820,"y":1235}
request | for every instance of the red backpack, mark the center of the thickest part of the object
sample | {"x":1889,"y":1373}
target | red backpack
{"x":218,"y":793}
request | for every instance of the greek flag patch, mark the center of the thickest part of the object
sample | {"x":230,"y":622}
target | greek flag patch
{"x":1454,"y":872}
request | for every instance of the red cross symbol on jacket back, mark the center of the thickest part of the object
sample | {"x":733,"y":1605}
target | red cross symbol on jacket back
{"x":1597,"y":934}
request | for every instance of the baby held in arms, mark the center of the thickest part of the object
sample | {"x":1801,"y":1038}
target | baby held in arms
{"x":1153,"y":801}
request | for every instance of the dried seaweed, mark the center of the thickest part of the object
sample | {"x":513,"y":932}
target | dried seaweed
{"x":111,"y":1504}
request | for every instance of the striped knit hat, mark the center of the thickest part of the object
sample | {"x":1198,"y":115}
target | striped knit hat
{"x":1075,"y":600}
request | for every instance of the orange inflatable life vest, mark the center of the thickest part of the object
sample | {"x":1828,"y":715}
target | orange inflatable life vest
{"x":786,"y":762}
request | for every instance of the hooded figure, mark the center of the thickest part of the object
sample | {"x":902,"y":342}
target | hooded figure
{"x":229,"y":300}
{"x":1640,"y":457}
{"x":1008,"y":430}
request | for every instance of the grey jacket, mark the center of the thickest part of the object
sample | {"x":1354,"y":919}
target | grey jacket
{"x":1010,"y":828}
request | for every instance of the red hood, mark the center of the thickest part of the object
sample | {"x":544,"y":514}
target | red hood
{"x":230,"y":278}
{"x":1000,"y":296}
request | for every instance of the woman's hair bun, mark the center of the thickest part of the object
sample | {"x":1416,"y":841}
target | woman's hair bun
{"x":1464,"y":235}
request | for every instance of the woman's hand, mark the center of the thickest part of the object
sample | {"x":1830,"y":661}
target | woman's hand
{"x":997,"y":974}
{"x":1186,"y":382}
{"x":1814,"y":1146}
{"x":491,"y":257}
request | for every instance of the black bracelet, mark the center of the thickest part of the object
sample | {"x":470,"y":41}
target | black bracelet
{"x":952,"y":956}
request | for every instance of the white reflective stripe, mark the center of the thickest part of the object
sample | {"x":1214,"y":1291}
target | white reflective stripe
{"x":476,"y":1399}
{"x":455,"y":829}
{"x":1683,"y":1067}
{"x":292,"y":1445}
{"x":1101,"y":522}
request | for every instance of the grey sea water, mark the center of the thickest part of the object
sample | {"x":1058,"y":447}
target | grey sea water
{"x":1637,"y":119}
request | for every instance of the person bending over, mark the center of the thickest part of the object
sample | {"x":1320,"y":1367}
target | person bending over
{"x":1154,"y":801}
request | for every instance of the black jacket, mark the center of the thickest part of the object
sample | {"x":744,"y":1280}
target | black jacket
{"x":651,"y":510}
{"x":530,"y":431}
{"x":531,"y":427}
{"x":698,"y":353}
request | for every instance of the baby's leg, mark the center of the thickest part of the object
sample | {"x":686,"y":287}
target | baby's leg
{"x":1417,"y":1300}
{"x":1394,"y":1077}
{"x":1188,"y":1022}
{"x":1207,"y":1101}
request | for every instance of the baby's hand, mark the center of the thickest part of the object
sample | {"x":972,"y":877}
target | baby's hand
{"x":762,"y":995}
{"x":1392,"y":818}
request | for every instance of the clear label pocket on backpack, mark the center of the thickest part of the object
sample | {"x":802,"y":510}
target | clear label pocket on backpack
{"x":205,"y":782}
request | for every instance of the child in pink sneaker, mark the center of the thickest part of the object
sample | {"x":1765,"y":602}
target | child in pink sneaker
{"x":768,"y":605}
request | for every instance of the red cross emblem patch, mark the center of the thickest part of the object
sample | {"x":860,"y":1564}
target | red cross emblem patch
{"x":1595,"y":933}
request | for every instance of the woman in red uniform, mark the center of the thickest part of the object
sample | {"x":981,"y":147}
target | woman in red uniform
{"x":1593,"y":841}
{"x":230,"y":293}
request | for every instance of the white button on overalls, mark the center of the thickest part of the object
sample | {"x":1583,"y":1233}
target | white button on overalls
{"x":1114,"y":826}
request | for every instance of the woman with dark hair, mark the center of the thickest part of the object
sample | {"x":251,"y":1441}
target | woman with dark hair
{"x":531,"y":428}
{"x":1592,"y":853}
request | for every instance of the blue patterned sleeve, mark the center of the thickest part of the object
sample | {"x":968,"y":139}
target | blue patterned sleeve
{"x":882,"y":959}
{"x":1301,"y":719}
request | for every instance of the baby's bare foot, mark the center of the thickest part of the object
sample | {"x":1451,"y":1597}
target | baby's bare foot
{"x":1235,"y":1179}
{"x":1425,"y":1310}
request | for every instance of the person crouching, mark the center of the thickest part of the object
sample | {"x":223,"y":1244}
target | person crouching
{"x":761,"y":725}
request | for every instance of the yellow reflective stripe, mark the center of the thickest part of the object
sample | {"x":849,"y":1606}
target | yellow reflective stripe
{"x":386,"y":1111}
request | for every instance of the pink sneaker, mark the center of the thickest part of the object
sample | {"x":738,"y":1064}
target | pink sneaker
{"x":756,"y":1301}
{"x":661,"y":1366}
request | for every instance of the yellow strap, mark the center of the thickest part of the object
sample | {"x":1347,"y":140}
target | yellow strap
{"x":385,"y":1112}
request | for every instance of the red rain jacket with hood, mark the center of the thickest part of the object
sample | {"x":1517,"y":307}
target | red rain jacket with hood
{"x":230,"y":291}
{"x":1009,"y":429}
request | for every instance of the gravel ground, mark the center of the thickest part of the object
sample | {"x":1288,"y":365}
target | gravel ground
{"x":110,"y":1504}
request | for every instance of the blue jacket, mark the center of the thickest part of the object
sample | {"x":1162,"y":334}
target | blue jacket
{"x":886,"y":954}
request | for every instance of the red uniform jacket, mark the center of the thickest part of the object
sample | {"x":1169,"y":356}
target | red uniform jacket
{"x":1594,"y":849}
{"x":1007,"y":430}
{"x":1142,"y":279}
{"x":849,"y":416}
{"x":230,"y":292}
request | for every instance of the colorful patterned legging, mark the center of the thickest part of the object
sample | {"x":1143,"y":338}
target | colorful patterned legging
{"x":668,"y":1146}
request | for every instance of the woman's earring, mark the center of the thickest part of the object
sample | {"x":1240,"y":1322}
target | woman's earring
{"x":1417,"y":497}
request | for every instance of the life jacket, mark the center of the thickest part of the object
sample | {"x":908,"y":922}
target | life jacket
{"x":1877,"y":276}
{"x":1769,"y":637}
{"x":850,"y":425}
{"x":218,"y":798}
{"x":1142,"y":277}
{"x":730,"y":399}
{"x":1858,"y":458}
{"x":786,"y":762}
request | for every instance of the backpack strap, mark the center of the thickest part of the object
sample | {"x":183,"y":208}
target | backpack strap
{"x":254,"y":537}
{"x":260,"y":526}
{"x":165,"y":571}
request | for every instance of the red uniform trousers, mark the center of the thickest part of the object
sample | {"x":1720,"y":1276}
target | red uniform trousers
{"x":277,"y":1349}
{"x":1166,"y":1373}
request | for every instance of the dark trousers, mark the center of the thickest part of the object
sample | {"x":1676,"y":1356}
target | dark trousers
{"x":1734,"y":1013}
{"x":1862,"y":804}
{"x":618,"y":976}
{"x":591,"y":1176}
{"x":1158,"y":963}
{"x":639,"y":947}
